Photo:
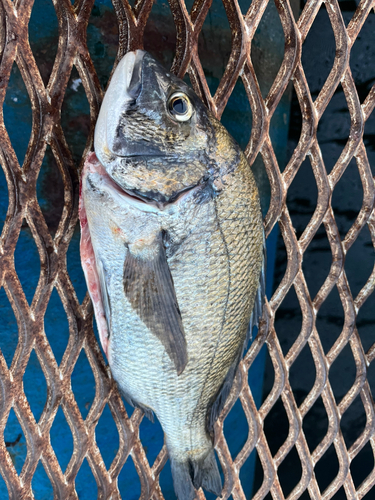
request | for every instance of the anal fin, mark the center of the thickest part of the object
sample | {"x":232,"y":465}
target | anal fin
{"x":146,"y":410}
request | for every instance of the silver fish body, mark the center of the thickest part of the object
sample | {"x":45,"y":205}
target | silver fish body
{"x":172,"y":249}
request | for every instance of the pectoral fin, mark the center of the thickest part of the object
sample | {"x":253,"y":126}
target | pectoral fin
{"x":148,"y":285}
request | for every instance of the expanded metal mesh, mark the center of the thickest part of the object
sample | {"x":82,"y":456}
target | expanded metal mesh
{"x":46,"y":104}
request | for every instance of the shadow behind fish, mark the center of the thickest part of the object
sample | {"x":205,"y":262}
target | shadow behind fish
{"x":172,"y":250}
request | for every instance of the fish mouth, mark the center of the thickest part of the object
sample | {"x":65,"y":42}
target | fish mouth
{"x":148,"y":200}
{"x":154,"y":197}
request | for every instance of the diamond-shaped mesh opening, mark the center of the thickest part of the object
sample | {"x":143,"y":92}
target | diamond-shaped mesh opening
{"x":281,"y":262}
{"x":342,"y":373}
{"x":17,"y":113}
{"x":3,"y":489}
{"x":366,"y":324}
{"x":280,"y":130}
{"x":327,"y":468}
{"x":102,"y":39}
{"x":362,"y":465}
{"x":42,"y":487}
{"x":15,"y":442}
{"x":236,"y":429}
{"x":9,"y":329}
{"x":128,"y":481}
{"x":247,"y":474}
{"x":34,"y":385}
{"x":257,"y":367}
{"x":263,"y":182}
{"x":353,"y":422}
{"x":315,"y":424}
{"x":160,"y":33}
{"x":361,"y":62}
{"x":27,"y":262}
{"x":215,"y":31}
{"x":371,"y":376}
{"x":330,"y":320}
{"x":152,"y":437}
{"x":259,"y":479}
{"x":347,"y":198}
{"x":294,"y":126}
{"x":61,"y":439}
{"x":106,"y":436}
{"x":43,"y":36}
{"x":267,"y":50}
{"x":74,"y":267}
{"x":75,"y":115}
{"x":302,"y":375}
{"x":290,"y":471}
{"x":83,"y":384}
{"x":317,"y":261}
{"x":4,"y":199}
{"x":333,"y":129}
{"x":269,"y":376}
{"x":318,"y":52}
{"x":86,"y":486}
{"x":50,"y":191}
{"x":237,"y":115}
{"x":302,"y":198}
{"x":56,"y":326}
{"x":276,"y":426}
{"x":290,"y":313}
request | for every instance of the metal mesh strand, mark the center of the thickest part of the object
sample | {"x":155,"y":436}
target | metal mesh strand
{"x":46,"y":129}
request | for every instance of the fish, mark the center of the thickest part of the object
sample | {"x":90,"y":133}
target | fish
{"x":172,"y":248}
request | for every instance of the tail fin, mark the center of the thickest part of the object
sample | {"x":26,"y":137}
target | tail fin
{"x":195,"y":474}
{"x":207,"y":475}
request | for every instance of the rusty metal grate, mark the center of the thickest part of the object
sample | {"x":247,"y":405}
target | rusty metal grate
{"x":46,"y":129}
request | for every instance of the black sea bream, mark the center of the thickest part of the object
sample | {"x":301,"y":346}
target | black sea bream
{"x":172,"y":250}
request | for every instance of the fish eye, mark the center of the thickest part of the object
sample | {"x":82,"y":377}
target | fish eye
{"x":179,"y":107}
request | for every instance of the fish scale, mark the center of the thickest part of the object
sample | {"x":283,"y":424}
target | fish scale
{"x":172,"y":237}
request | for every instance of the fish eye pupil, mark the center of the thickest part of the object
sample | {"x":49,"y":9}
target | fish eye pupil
{"x":179,"y":106}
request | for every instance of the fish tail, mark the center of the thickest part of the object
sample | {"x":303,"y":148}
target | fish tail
{"x":192,"y":474}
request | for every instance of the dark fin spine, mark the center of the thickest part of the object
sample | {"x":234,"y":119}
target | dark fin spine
{"x":149,"y":287}
{"x":259,"y":297}
{"x":191,"y":475}
{"x":147,"y":411}
{"x":223,"y":394}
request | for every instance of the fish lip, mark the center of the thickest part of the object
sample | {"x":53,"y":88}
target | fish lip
{"x":160,"y":204}
{"x":163,"y":202}
{"x":145,"y":155}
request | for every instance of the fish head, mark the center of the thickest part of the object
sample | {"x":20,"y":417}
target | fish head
{"x":153,"y":136}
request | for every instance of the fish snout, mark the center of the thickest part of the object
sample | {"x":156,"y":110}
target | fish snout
{"x":124,"y":88}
